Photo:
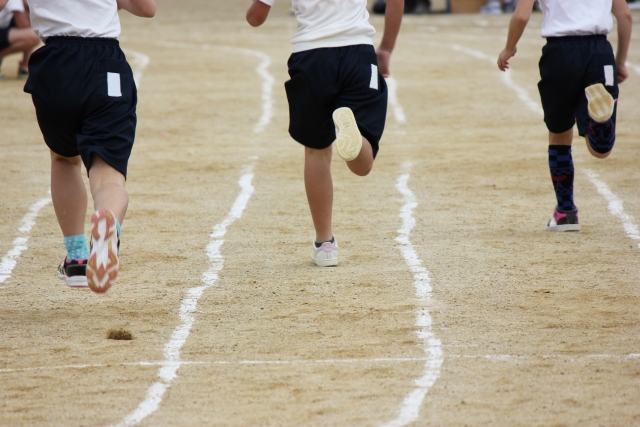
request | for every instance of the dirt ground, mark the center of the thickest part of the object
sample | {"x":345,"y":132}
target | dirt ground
{"x":535,"y":328}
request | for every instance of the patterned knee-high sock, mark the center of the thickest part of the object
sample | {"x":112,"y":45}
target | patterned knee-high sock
{"x":561,"y":166}
{"x":601,"y":136}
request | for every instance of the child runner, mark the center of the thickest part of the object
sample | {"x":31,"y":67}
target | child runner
{"x":85,"y":99}
{"x":16,"y":35}
{"x":336,"y":86}
{"x":579,"y":82}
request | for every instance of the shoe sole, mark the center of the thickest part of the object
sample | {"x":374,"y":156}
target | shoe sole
{"x":600,"y":104}
{"x":75,"y":282}
{"x":564,"y":227}
{"x":349,"y":140}
{"x":325,"y":262}
{"x":102,"y":268}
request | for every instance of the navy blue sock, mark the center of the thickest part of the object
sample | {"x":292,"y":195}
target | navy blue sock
{"x":561,"y":166}
{"x":601,"y":136}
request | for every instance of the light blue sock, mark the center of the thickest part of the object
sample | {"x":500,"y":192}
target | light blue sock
{"x":76,"y":246}
{"x":118,"y":227}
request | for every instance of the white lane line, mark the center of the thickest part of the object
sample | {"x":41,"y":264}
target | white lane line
{"x":398,"y":112}
{"x":494,"y":357}
{"x":169,"y":369}
{"x":138,"y":63}
{"x":262,"y":70}
{"x":633,"y":67}
{"x":615,"y":205}
{"x":522,"y":94}
{"x":10,"y":260}
{"x":432,"y":346}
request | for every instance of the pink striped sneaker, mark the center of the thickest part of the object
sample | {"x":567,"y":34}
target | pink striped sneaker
{"x":564,"y":221}
{"x":102,"y":268}
{"x":325,"y":255}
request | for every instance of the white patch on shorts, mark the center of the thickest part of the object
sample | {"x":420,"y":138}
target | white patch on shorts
{"x":608,"y":75}
{"x":373,"y":84}
{"x":113,"y":85}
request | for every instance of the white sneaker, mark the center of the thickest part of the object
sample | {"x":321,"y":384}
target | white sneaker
{"x":326,"y":255}
{"x":600,"y":103}
{"x":492,"y":8}
{"x":348,"y":141}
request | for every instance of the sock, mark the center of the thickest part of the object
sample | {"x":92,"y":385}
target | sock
{"x":118,"y":226}
{"x":561,"y":166}
{"x":601,"y":136}
{"x":76,"y":247}
{"x":333,"y":240}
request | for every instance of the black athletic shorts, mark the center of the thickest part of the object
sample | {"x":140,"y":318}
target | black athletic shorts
{"x":4,"y":34}
{"x":325,"y":79}
{"x":85,"y":99}
{"x":568,"y":65}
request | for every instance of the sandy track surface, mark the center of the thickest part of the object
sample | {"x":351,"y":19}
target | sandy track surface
{"x":527,"y":327}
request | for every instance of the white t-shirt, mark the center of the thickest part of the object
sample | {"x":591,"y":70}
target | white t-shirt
{"x":330,"y":23}
{"x":6,"y":14}
{"x":575,"y":17}
{"x":79,"y":18}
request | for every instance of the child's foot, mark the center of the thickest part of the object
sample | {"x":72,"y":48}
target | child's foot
{"x":325,"y":254}
{"x":564,"y":221}
{"x":600,"y":103}
{"x":349,"y":140}
{"x":102,"y":268}
{"x":73,"y":272}
{"x":23,"y":71}
{"x":601,"y":134}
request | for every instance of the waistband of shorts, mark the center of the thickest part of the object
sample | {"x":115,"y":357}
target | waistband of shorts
{"x":577,"y":38}
{"x":82,"y":40}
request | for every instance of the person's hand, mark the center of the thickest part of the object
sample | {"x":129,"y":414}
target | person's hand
{"x":503,"y":59}
{"x":622,"y":72}
{"x":384,"y":56}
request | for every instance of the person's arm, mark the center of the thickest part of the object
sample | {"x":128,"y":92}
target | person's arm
{"x":621,"y":11}
{"x":519,"y":21}
{"x":3,"y":3}
{"x":257,"y":13}
{"x":392,"y":22}
{"x":22,"y":19}
{"x":142,"y":8}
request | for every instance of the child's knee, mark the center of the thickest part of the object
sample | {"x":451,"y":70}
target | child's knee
{"x":75,"y":160}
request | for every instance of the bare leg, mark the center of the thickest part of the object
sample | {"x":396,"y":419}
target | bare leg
{"x":362,"y":164}
{"x":319,"y":187}
{"x":20,"y":40}
{"x":68,"y":193}
{"x":564,"y":138}
{"x":107,"y":188}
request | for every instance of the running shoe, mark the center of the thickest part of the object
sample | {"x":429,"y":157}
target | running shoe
{"x":325,"y":255}
{"x":564,"y":221}
{"x":600,"y":103}
{"x":102,"y":268}
{"x":73,"y":272}
{"x":23,"y":72}
{"x":348,"y":140}
{"x":492,"y":7}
